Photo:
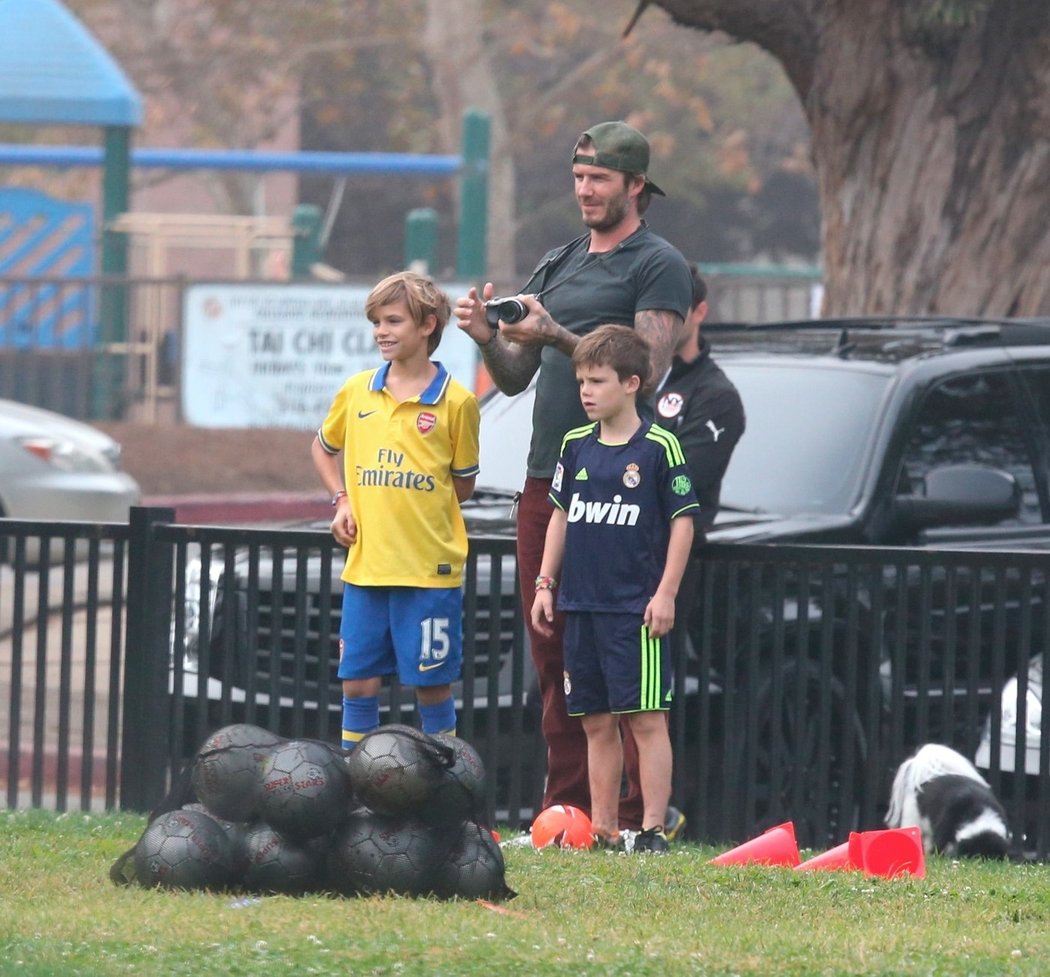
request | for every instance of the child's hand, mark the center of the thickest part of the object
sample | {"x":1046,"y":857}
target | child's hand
{"x":344,"y":526}
{"x":543,"y":612}
{"x":659,"y":615}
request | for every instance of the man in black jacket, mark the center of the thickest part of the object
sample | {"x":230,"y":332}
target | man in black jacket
{"x":699,"y":403}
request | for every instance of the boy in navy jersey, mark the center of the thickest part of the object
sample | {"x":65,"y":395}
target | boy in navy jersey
{"x":618,"y":540}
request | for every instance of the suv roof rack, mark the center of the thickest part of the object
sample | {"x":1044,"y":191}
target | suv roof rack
{"x":956,"y":330}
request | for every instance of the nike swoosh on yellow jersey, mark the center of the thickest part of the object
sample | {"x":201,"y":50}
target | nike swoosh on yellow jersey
{"x":365,"y":413}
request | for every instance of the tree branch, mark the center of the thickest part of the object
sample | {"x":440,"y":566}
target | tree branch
{"x":787,"y":29}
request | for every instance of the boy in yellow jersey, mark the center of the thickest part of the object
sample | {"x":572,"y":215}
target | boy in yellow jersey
{"x":408,"y":436}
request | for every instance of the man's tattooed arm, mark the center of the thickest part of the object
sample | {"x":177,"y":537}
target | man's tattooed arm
{"x":663,"y":329}
{"x":511,"y":366}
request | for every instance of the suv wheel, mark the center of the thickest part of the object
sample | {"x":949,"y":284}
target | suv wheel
{"x":806,"y":753}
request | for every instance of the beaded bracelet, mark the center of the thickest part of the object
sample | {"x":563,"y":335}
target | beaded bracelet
{"x":546,"y":583}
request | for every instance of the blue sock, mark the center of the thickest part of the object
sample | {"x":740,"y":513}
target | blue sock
{"x":360,"y":717}
{"x":439,"y":717}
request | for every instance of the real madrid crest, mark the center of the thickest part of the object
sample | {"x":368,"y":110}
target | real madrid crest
{"x":631,"y":476}
{"x":670,"y":405}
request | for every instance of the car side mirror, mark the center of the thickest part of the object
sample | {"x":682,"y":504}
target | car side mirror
{"x":970,"y":495}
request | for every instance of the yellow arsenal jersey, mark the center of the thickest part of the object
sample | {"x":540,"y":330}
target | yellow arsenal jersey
{"x":398,"y":460}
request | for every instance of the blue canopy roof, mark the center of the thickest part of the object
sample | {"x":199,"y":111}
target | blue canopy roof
{"x":53,"y":71}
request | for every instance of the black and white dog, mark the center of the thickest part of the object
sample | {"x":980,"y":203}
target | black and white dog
{"x":941,"y":792}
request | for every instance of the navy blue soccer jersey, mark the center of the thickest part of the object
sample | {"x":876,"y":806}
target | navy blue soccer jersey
{"x":619,"y":500}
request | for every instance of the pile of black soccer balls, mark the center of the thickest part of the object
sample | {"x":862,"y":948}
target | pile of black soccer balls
{"x":401,"y":814}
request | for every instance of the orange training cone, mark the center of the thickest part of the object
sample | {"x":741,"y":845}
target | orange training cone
{"x":895,"y":851}
{"x":832,"y":859}
{"x":777,"y":846}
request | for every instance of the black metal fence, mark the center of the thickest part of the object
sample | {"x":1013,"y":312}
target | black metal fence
{"x":809,"y":674}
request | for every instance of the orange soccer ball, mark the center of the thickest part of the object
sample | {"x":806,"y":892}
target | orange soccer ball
{"x":563,"y":826}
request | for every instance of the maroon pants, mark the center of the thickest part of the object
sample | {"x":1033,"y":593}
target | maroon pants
{"x":566,"y":742}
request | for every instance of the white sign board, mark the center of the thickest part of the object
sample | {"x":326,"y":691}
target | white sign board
{"x":274,"y":355}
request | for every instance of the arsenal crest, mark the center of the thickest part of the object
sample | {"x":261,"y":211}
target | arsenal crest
{"x":425,"y":422}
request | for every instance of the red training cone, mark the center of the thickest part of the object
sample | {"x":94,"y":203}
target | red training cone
{"x":777,"y":846}
{"x":830,"y":860}
{"x":895,"y":851}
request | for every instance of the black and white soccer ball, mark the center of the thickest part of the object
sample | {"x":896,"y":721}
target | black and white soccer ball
{"x":375,"y":853}
{"x":397,"y":769}
{"x":275,"y":863}
{"x":305,"y":790}
{"x":940,"y":791}
{"x":460,"y":796}
{"x":184,"y":850}
{"x":227,"y":770}
{"x":473,"y":867}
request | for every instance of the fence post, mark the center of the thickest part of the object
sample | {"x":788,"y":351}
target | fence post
{"x":421,"y":227}
{"x":110,"y":366}
{"x":306,"y":245}
{"x":144,"y":740}
{"x":473,"y":196}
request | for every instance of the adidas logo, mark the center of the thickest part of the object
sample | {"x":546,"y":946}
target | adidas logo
{"x":581,"y":475}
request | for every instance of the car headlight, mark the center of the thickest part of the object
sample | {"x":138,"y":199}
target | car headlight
{"x":1033,"y":710}
{"x":196,"y":604}
{"x":66,"y":455}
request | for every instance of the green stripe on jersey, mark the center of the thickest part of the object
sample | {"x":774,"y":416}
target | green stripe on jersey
{"x":576,"y":433}
{"x":671,"y":445}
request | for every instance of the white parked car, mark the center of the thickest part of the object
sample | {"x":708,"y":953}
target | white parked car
{"x":53,"y":467}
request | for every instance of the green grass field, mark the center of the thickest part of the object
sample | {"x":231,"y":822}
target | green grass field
{"x":575,"y":913}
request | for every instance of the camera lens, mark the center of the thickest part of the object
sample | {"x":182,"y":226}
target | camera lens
{"x":509,"y":310}
{"x":512,"y":310}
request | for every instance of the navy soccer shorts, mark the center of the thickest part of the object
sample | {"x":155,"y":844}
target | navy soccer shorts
{"x":612,"y":664}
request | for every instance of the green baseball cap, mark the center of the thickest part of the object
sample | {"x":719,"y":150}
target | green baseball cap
{"x":617,"y":146}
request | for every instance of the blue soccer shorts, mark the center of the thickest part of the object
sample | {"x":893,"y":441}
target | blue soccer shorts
{"x":612,"y":664}
{"x":413,"y":632}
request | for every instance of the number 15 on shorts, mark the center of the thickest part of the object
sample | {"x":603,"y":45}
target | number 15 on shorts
{"x":440,"y":635}
{"x":434,"y":642}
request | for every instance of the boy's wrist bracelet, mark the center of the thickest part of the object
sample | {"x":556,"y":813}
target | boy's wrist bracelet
{"x":338,"y":495}
{"x":546,"y":583}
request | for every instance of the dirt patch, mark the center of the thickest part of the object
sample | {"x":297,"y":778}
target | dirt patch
{"x":178,"y":459}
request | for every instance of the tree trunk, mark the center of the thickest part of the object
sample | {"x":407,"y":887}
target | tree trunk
{"x":463,"y":78}
{"x":930,"y":145}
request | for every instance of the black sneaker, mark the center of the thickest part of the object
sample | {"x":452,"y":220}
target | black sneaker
{"x":674,"y":823}
{"x":652,"y":840}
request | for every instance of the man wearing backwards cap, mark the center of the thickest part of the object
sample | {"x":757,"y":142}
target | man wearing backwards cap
{"x":619,"y":271}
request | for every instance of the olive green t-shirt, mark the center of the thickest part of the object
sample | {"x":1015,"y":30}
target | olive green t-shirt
{"x":583,"y":290}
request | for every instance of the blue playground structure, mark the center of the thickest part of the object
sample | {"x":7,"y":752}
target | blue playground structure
{"x":58,"y":74}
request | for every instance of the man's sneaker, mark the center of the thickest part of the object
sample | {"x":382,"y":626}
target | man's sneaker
{"x":652,"y":840}
{"x":674,"y":823}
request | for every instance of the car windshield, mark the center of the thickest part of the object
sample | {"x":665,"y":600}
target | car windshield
{"x":807,"y":431}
